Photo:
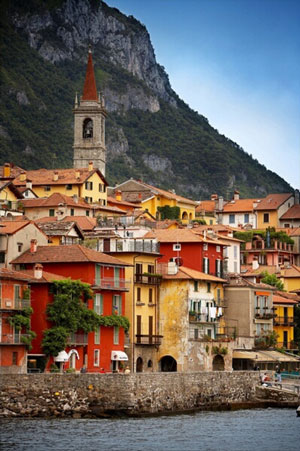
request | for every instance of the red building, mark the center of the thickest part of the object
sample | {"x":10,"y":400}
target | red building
{"x":188,"y":249}
{"x":13,"y":352}
{"x":99,"y":350}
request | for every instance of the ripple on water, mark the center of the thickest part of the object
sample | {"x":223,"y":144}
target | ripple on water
{"x":243,"y":430}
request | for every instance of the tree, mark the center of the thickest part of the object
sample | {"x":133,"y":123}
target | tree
{"x":271,"y":279}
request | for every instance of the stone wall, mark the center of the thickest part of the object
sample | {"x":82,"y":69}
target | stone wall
{"x":113,"y":394}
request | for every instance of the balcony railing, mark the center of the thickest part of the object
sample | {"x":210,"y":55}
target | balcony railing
{"x":202,"y":318}
{"x":147,"y":279}
{"x":148,"y":340}
{"x":13,"y":339}
{"x":284,"y":321}
{"x":268,"y":314}
{"x":109,"y":283}
{"x":14,"y":304}
{"x":77,"y":339}
{"x":291,"y":345}
{"x":129,"y":245}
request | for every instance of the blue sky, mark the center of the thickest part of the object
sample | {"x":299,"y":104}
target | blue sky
{"x":237,"y":62}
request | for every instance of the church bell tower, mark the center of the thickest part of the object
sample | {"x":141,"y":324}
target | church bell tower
{"x":89,"y":124}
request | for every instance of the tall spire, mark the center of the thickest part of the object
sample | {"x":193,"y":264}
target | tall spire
{"x":89,"y":89}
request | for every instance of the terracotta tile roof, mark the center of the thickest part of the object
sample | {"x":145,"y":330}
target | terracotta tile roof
{"x":292,"y":213}
{"x":240,"y":205}
{"x":89,"y":89}
{"x":241,"y":282}
{"x":282,"y":300}
{"x":113,"y":200}
{"x":166,"y":223}
{"x":174,"y":236}
{"x":188,"y":273}
{"x":11,"y":227}
{"x":59,"y":228}
{"x":54,"y":200}
{"x":170,"y":195}
{"x":273,"y":201}
{"x":84,"y":222}
{"x":46,"y":276}
{"x":248,"y":271}
{"x":67,"y":254}
{"x":14,"y":172}
{"x":108,"y":209}
{"x":65,"y":176}
{"x":292,"y":271}
{"x":12,"y":274}
{"x":206,"y":205}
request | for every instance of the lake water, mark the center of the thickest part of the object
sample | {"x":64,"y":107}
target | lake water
{"x":242,"y":430}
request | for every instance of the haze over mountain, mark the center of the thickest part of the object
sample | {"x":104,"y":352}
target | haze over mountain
{"x":151,"y":133}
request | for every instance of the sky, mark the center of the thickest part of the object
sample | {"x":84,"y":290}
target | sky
{"x":236,"y":62}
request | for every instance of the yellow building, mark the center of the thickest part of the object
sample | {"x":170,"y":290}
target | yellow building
{"x":270,"y":209}
{"x":152,"y":198}
{"x":290,"y":277}
{"x":88,"y":183}
{"x":9,"y":195}
{"x":141,"y":302}
{"x":284,"y":320}
{"x":191,"y":322}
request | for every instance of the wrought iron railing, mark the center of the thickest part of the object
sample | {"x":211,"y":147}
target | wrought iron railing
{"x":148,"y":339}
{"x":147,"y":279}
{"x":110,"y":283}
{"x":77,"y":339}
{"x":14,"y":304}
{"x":284,"y":321}
{"x":13,"y":339}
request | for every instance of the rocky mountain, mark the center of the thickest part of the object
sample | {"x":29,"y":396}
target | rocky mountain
{"x":151,"y":133}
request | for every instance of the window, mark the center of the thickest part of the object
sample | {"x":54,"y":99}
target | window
{"x":87,"y":129}
{"x":97,"y":336}
{"x":195,"y":285}
{"x":246,"y":218}
{"x":72,"y":212}
{"x":211,"y":222}
{"x":101,"y":188}
{"x":51,"y":212}
{"x":218,"y":248}
{"x":266,"y":217}
{"x":196,"y":334}
{"x":47,"y":188}
{"x":218,"y":268}
{"x":2,"y":257}
{"x":208,"y":287}
{"x":98,"y":304}
{"x":206,"y":265}
{"x":116,"y":335}
{"x":117,"y":304}
{"x":89,"y":186}
{"x":235,"y":251}
{"x":96,"y":357}
{"x":150,"y":295}
{"x":17,"y":291}
{"x":235,"y":267}
{"x":97,"y":274}
{"x":117,"y":277}
{"x":205,"y":246}
{"x":138,"y":294}
{"x":69,"y":186}
{"x":177,"y":247}
{"x":89,"y":200}
{"x":218,"y":294}
{"x":231,"y":219}
{"x":19,"y":245}
{"x":87,"y":212}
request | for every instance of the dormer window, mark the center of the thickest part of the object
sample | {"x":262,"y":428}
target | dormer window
{"x":87,"y":130}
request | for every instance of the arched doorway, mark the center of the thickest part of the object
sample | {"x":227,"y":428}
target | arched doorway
{"x":184,"y":216}
{"x":218,"y":363}
{"x":139,"y":365}
{"x":168,"y":364}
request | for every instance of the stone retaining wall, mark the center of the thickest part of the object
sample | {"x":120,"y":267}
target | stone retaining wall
{"x":133,"y":394}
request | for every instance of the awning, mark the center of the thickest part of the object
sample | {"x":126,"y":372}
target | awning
{"x":118,"y":355}
{"x":61,"y":357}
{"x":264,"y":356}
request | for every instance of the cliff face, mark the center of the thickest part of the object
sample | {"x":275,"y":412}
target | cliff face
{"x":151,"y":133}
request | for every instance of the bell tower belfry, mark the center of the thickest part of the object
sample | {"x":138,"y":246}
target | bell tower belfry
{"x":89,"y":124}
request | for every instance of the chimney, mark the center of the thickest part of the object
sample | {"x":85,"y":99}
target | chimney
{"x":55,"y":176}
{"x":255,"y":264}
{"x":23,"y":176}
{"x":214,"y":197}
{"x":220,"y":203}
{"x":91,"y":166}
{"x":77,"y":174}
{"x":33,"y":246}
{"x":296,"y":197}
{"x":29,"y":184}
{"x":38,"y":271}
{"x":119,"y":195}
{"x":236,"y":195}
{"x":6,"y":170}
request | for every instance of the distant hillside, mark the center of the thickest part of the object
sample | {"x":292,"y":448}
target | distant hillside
{"x":151,"y":133}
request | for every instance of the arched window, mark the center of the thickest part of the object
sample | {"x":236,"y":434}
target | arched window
{"x":184,"y":216}
{"x":87,"y":130}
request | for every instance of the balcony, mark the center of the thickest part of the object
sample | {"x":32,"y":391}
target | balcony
{"x":292,"y":346}
{"x":17,"y":304}
{"x":284,"y":321}
{"x":148,"y":340}
{"x":148,"y":246}
{"x":264,"y":313}
{"x":109,"y":283}
{"x":148,"y":279}
{"x":201,"y":318}
{"x":13,"y":339}
{"x":77,"y":339}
